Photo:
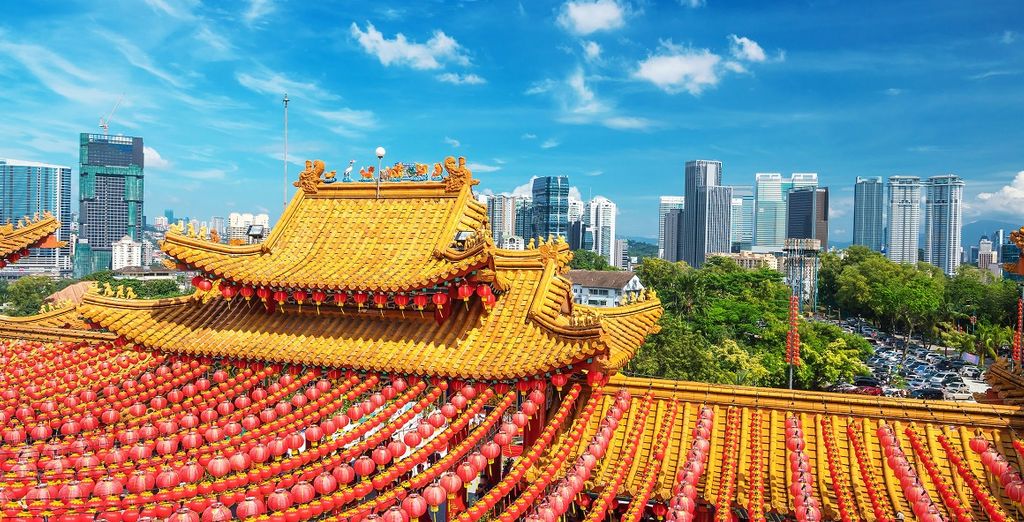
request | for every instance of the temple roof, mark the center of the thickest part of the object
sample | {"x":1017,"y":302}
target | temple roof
{"x":351,"y":236}
{"x":677,"y":404}
{"x":62,"y":323}
{"x":526,"y":334}
{"x":29,"y":233}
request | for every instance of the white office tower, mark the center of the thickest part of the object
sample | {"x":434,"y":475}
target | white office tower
{"x":665,"y":205}
{"x":943,"y":219}
{"x":904,"y":218}
{"x":501,"y":213}
{"x":576,"y":209}
{"x":125,"y":252}
{"x":600,"y":218}
{"x":868,"y":210}
{"x":769,"y":210}
{"x":239,"y":226}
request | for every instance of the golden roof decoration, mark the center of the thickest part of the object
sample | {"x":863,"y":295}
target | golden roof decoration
{"x":30,"y":232}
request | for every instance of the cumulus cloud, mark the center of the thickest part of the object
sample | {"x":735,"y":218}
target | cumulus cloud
{"x":452,"y":142}
{"x":591,"y":50}
{"x":581,"y":99}
{"x":528,"y":136}
{"x":743,"y":48}
{"x":438,"y":49}
{"x":585,"y":17}
{"x":541,"y":87}
{"x":481,"y":167}
{"x":461,"y":79}
{"x":550,"y":143}
{"x":1008,"y":37}
{"x":692,"y":4}
{"x":627,"y":123}
{"x":154,"y":161}
{"x":676,"y":69}
{"x":1008,"y":200}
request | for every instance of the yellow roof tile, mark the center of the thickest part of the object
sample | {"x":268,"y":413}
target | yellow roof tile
{"x":31,"y":233}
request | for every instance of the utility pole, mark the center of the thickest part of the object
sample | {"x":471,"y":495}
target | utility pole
{"x":284,"y":200}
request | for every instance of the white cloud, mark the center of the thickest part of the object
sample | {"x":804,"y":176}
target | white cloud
{"x":541,"y":87}
{"x":526,"y":189}
{"x":676,"y":69}
{"x":743,"y":48}
{"x":893,"y":91}
{"x":500,"y":161}
{"x":461,"y":79}
{"x":204,"y":174}
{"x":627,"y":123}
{"x":692,"y":4}
{"x":265,"y":81}
{"x":348,"y":122}
{"x":154,"y":161}
{"x":59,"y":75}
{"x":453,"y":142}
{"x":574,"y":193}
{"x":989,"y":74}
{"x":1008,"y":200}
{"x":585,"y":17}
{"x":550,"y":143}
{"x":217,"y":46}
{"x":1008,"y":37}
{"x":400,"y":51}
{"x":591,"y":50}
{"x":582,"y":100}
{"x":181,"y":9}
{"x":258,"y":9}
{"x":480,"y":167}
{"x":594,"y":173}
{"x":734,"y":66}
{"x":139,"y":58}
{"x":528,"y":136}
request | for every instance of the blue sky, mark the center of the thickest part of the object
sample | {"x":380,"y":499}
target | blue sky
{"x":617,"y":95}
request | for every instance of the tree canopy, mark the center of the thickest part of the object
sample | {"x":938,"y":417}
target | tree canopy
{"x":587,"y":260}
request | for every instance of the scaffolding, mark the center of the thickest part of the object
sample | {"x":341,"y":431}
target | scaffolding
{"x":801,"y":259}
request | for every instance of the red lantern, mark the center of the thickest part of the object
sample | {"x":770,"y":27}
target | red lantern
{"x":364,"y":466}
{"x":466,"y":471}
{"x":216,"y":512}
{"x":451,"y":483}
{"x":465,"y":291}
{"x":490,"y":450}
{"x":559,"y":380}
{"x":380,"y":299}
{"x":359,"y":298}
{"x":414,"y":505}
{"x":381,"y":456}
{"x":420,"y":300}
{"x":247,"y":292}
{"x":401,"y":301}
{"x":435,"y":496}
{"x":303,"y":492}
{"x":228,"y":291}
{"x":439,"y":300}
{"x":279,"y":500}
{"x":344,"y":473}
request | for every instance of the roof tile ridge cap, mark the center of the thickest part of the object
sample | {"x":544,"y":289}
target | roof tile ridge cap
{"x":631,"y":308}
{"x":443,"y":243}
{"x":550,"y":322}
{"x":37,"y":316}
{"x":209,"y":246}
{"x":32,"y":226}
{"x":92,"y":299}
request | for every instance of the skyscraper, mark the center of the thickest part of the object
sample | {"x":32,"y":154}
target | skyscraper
{"x":904,"y":218}
{"x":742,"y":220}
{"x":707,"y":216}
{"x":943,"y":220}
{"x":665,"y":204}
{"x":110,"y":186}
{"x":551,"y":206}
{"x":674,"y":236}
{"x":576,"y":209}
{"x":524,"y":217}
{"x":27,"y":188}
{"x":771,"y":193}
{"x":600,"y":215}
{"x":501,"y":213}
{"x":868,"y":197}
{"x":807,"y":215}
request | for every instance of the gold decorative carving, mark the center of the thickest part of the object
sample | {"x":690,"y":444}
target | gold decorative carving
{"x":310,"y":178}
{"x":458,"y":174}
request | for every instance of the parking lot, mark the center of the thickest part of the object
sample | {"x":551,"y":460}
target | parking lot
{"x":920,"y":374}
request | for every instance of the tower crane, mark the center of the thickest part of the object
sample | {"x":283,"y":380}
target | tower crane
{"x":105,"y":122}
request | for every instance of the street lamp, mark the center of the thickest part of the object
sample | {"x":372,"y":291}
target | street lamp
{"x":380,"y":158}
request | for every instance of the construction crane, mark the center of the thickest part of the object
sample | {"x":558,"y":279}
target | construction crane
{"x":105,"y":122}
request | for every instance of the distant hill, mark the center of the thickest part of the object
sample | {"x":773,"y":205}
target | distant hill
{"x":973,"y":231}
{"x":642,"y":248}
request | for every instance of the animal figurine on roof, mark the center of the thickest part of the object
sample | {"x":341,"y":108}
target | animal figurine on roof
{"x":310,"y":178}
{"x":420,"y":171}
{"x":436,"y":175}
{"x":330,"y":176}
{"x":347,"y":174}
{"x":366,"y":173}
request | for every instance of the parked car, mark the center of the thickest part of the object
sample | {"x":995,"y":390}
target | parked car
{"x":928,"y":394}
{"x":874,"y":391}
{"x":864,"y":380}
{"x":957,"y":392}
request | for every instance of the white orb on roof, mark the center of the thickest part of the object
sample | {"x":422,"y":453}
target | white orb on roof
{"x":380,"y":152}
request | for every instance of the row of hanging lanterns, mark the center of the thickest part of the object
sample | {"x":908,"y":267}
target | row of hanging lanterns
{"x":920,"y":501}
{"x":607,"y":499}
{"x":988,"y":502}
{"x":684,"y":493}
{"x":840,"y":487}
{"x":880,"y":509}
{"x":997,"y":464}
{"x":730,"y":464}
{"x":946,"y":493}
{"x":806,"y":506}
{"x":639,"y":503}
{"x":755,"y":469}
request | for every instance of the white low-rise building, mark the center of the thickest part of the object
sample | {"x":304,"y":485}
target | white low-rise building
{"x":603,"y":288}
{"x":125,"y":252}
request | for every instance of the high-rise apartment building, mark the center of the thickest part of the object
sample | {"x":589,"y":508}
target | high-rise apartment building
{"x":622,"y":259}
{"x":807,"y":215}
{"x":247,"y":228}
{"x":550,"y":206}
{"x":988,"y":257}
{"x":708,"y":214}
{"x":524,"y":217}
{"x":600,"y":216}
{"x":665,"y":204}
{"x":904,"y":211}
{"x":771,"y":194}
{"x":943,"y":221}
{"x":577,"y":208}
{"x":501,"y":213}
{"x":868,"y":211}
{"x":674,"y":236}
{"x":110,"y":186}
{"x":125,"y":252}
{"x":28,"y":188}
{"x":742,"y":220}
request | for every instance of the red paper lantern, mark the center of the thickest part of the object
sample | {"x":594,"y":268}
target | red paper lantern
{"x":435,"y":495}
{"x":364,"y":466}
{"x":414,"y":505}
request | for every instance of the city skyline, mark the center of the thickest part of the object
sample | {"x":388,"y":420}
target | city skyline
{"x":562,"y":92}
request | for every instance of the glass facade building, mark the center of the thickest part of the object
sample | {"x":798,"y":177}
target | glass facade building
{"x":707,"y":216}
{"x":807,"y":215}
{"x":110,"y":197}
{"x":665,"y":205}
{"x":943,"y":221}
{"x":868,"y":210}
{"x":551,"y":207}
{"x":28,"y":188}
{"x":904,"y":218}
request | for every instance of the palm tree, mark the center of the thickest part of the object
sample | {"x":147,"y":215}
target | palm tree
{"x":989,"y":338}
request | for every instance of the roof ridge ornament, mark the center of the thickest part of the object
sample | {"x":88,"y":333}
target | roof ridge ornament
{"x":458,"y":174}
{"x":310,"y":178}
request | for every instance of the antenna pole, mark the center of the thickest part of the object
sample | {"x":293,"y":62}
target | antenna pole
{"x":284,"y":201}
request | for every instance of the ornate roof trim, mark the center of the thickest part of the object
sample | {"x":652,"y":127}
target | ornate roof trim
{"x":30,"y":232}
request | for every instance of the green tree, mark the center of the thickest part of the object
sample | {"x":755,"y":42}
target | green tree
{"x":25,"y":296}
{"x":587,"y":260}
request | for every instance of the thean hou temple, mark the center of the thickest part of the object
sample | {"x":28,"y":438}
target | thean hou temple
{"x":378,"y":358}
